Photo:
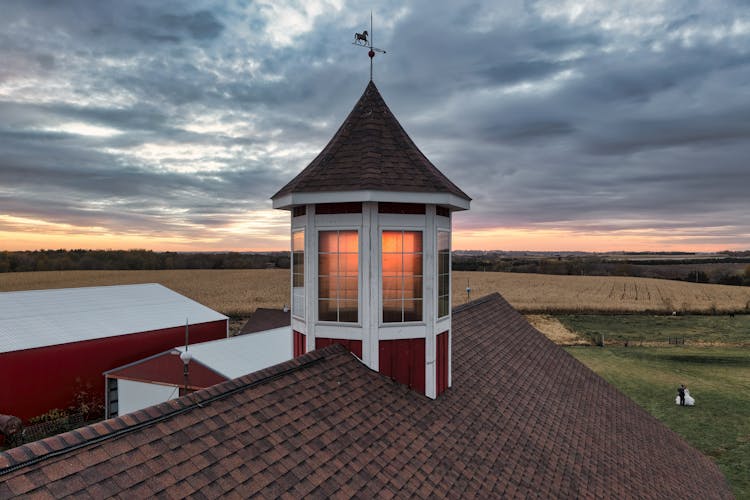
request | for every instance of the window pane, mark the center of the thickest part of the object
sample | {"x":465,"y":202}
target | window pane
{"x":348,"y":311}
{"x":443,"y":306}
{"x":392,"y":311}
{"x":444,"y":262}
{"x":298,"y":301}
{"x":444,"y":284}
{"x":298,"y":273}
{"x":326,"y":310}
{"x":412,"y":263}
{"x":392,"y":264}
{"x":338,"y":276}
{"x":412,"y":241}
{"x":392,"y":242}
{"x":402,"y":276}
{"x":392,"y":288}
{"x":298,"y":258}
{"x":412,"y":310}
{"x":298,"y":280}
{"x":327,"y":264}
{"x":412,"y":287}
{"x":328,"y":241}
{"x":348,"y":241}
{"x":324,"y":288}
{"x":444,"y":241}
{"x":348,"y":263}
{"x":298,"y":241}
{"x":347,"y":289}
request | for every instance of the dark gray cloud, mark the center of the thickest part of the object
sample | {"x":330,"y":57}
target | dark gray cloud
{"x":178,"y":118}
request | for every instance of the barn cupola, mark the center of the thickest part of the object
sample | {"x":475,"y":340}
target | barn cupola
{"x":371,"y":242}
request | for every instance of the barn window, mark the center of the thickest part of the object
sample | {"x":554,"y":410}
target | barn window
{"x":444,"y":273}
{"x":298,"y":273}
{"x":338,"y":276}
{"x":402,"y":276}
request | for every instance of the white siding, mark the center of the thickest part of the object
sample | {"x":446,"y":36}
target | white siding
{"x":134,"y":396}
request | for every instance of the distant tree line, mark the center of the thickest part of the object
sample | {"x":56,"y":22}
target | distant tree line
{"x":80,"y":260}
{"x":728,"y":271}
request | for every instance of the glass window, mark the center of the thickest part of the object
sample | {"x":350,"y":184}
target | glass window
{"x":444,"y":273}
{"x":338,"y":276}
{"x":402,"y":276}
{"x":298,"y":273}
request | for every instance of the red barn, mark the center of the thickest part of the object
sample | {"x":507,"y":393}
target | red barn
{"x":55,"y":344}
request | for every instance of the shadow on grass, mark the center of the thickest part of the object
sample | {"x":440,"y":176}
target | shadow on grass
{"x":729,"y":360}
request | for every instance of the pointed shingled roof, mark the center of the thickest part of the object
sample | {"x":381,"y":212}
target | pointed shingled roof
{"x":371,"y":152}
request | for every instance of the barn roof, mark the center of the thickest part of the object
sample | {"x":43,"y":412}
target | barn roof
{"x":523,"y":419}
{"x":266,"y":319}
{"x":370,"y":152}
{"x":40,"y":318}
{"x":230,"y":358}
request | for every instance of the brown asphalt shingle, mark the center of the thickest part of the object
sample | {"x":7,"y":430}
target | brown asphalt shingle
{"x":371,"y":151}
{"x":266,"y":319}
{"x":523,"y":419}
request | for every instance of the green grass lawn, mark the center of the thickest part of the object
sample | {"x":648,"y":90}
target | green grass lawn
{"x":718,"y":379}
{"x":634,"y":328}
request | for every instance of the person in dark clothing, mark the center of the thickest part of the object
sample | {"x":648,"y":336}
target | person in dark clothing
{"x":681,"y":393}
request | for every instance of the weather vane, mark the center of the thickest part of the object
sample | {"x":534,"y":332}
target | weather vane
{"x":360,"y":40}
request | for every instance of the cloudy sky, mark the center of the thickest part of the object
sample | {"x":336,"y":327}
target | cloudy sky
{"x":573,"y":125}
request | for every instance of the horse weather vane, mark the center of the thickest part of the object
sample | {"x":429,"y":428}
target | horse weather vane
{"x":361,"y":40}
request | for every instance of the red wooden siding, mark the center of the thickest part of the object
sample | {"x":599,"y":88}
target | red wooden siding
{"x":354,"y":346}
{"x":404,"y":361}
{"x":441,"y":363}
{"x":401,"y":208}
{"x":442,"y":211}
{"x":38,"y":380}
{"x":300,"y":343}
{"x":338,"y":208}
{"x":168,"y":369}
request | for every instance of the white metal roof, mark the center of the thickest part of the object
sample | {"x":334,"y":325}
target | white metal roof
{"x":39,"y":318}
{"x":238,"y":356}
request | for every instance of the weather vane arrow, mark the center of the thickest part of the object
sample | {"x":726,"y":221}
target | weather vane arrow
{"x":361,"y":40}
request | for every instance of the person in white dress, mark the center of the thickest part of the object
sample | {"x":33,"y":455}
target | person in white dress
{"x":689,"y":401}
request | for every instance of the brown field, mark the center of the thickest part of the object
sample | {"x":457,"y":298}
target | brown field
{"x":239,"y":292}
{"x":552,"y":293}
{"x":551,"y":327}
{"x":232,"y":292}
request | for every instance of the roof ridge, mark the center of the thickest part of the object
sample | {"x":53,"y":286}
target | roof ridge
{"x":117,"y":285}
{"x":476,"y":302}
{"x":53,"y":446}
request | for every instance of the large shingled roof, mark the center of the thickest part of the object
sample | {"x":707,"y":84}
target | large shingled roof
{"x":371,"y":151}
{"x":523,"y":419}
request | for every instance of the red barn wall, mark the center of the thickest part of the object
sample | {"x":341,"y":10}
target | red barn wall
{"x":441,"y":363}
{"x":403,"y":361}
{"x":34,"y":381}
{"x":299,"y":343}
{"x":168,"y":369}
{"x":354,"y":346}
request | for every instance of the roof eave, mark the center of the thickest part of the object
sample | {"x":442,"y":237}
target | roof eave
{"x":290,"y":200}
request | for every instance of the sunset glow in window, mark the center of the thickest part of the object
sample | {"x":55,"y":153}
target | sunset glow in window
{"x":402,"y":276}
{"x":338,"y":276}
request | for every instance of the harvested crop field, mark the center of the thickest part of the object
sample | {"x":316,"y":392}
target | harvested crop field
{"x":240,"y":292}
{"x":553,"y":293}
{"x":234,"y":292}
